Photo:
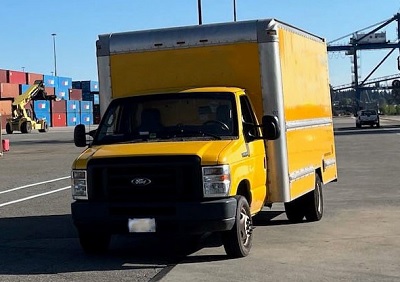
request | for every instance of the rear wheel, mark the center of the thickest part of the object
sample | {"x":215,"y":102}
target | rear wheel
{"x":9,"y":128}
{"x":314,"y":202}
{"x":238,"y":241}
{"x":94,"y":242}
{"x":295,"y":210}
{"x":45,"y":127}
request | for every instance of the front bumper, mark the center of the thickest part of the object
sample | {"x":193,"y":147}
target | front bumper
{"x":182,"y":217}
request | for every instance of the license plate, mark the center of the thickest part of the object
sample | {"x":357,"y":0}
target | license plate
{"x":141,"y":225}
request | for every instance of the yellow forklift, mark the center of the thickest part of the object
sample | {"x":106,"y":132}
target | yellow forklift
{"x":23,"y":119}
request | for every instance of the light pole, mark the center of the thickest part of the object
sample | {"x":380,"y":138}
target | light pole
{"x":199,"y":12}
{"x":234,"y":10}
{"x":54,"y":52}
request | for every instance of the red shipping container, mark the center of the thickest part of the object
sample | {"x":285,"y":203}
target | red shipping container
{"x":17,"y":77}
{"x":4,"y":120}
{"x":49,"y":90}
{"x":59,"y":119}
{"x":75,"y":94}
{"x":3,"y":76}
{"x":9,"y":90}
{"x":58,"y":106}
{"x":32,"y":77}
{"x":5,"y":107}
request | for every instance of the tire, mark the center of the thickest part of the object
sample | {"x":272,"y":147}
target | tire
{"x":94,"y":242}
{"x":238,"y":241}
{"x":9,"y":129}
{"x":314,"y":202}
{"x":295,"y":210}
{"x":26,"y":127}
{"x":358,"y":125}
{"x":45,"y":127}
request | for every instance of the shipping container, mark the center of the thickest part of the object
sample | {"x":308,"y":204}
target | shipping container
{"x":45,"y":116}
{"x":59,"y":119}
{"x":17,"y":77}
{"x":86,"y":106}
{"x":64,"y":82}
{"x":4,"y":119}
{"x":23,"y":88}
{"x":49,"y":90}
{"x":9,"y":90}
{"x":3,"y":76}
{"x":41,"y":106}
{"x":76,"y":85}
{"x":58,"y":106}
{"x":73,"y":106}
{"x":62,"y":92}
{"x":32,"y":77}
{"x":50,"y":80}
{"x":5,"y":107}
{"x":87,"y":118}
{"x":90,"y":86}
{"x":91,"y":96}
{"x":75,"y":94}
{"x":73,"y":118}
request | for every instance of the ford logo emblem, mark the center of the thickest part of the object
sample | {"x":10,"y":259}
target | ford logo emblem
{"x":140,"y":181}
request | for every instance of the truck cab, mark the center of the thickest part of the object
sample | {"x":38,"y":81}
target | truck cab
{"x":173,"y":162}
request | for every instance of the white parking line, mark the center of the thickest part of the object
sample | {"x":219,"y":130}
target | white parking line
{"x":33,"y":184}
{"x":34,"y":196}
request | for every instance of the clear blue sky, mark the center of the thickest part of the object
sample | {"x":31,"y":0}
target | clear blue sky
{"x":26,"y":28}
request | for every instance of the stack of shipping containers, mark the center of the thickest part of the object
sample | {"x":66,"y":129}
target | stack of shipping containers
{"x":78,"y":100}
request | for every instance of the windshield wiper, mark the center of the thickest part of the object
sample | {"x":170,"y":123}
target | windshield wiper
{"x":184,"y":131}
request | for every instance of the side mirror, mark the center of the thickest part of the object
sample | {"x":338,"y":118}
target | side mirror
{"x":80,"y":135}
{"x":92,"y":133}
{"x":270,"y":127}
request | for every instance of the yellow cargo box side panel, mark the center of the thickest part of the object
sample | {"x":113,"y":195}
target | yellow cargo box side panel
{"x":304,"y":75}
{"x":308,"y":113}
{"x":178,"y":69}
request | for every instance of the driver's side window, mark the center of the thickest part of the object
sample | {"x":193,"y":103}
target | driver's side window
{"x":250,"y":129}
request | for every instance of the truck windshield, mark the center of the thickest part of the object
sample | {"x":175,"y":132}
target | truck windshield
{"x":162,"y":117}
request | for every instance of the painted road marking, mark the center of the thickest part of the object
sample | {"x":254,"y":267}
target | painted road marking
{"x":34,"y":196}
{"x":33,"y":184}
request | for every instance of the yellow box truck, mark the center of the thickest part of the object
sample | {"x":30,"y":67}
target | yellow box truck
{"x":202,"y":127}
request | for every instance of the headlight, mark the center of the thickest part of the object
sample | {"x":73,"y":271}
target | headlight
{"x":216,"y":181}
{"x":79,"y":185}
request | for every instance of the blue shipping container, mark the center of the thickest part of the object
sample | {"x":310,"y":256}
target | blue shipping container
{"x":73,"y":106}
{"x":41,"y":106}
{"x":50,"y":80}
{"x":23,"y":88}
{"x":62,"y":92}
{"x":64,"y":82}
{"x":86,"y":106}
{"x":44,"y":115}
{"x":87,"y":118}
{"x":73,"y":119}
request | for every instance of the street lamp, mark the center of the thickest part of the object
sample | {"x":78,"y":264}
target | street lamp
{"x":54,"y":52}
{"x":234,"y":10}
{"x":199,"y":12}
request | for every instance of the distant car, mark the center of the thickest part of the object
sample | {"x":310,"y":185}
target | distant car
{"x":367,"y":117}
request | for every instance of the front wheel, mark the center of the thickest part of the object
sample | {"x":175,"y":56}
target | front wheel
{"x":238,"y":241}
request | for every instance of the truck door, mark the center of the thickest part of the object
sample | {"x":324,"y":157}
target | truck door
{"x":255,"y":153}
